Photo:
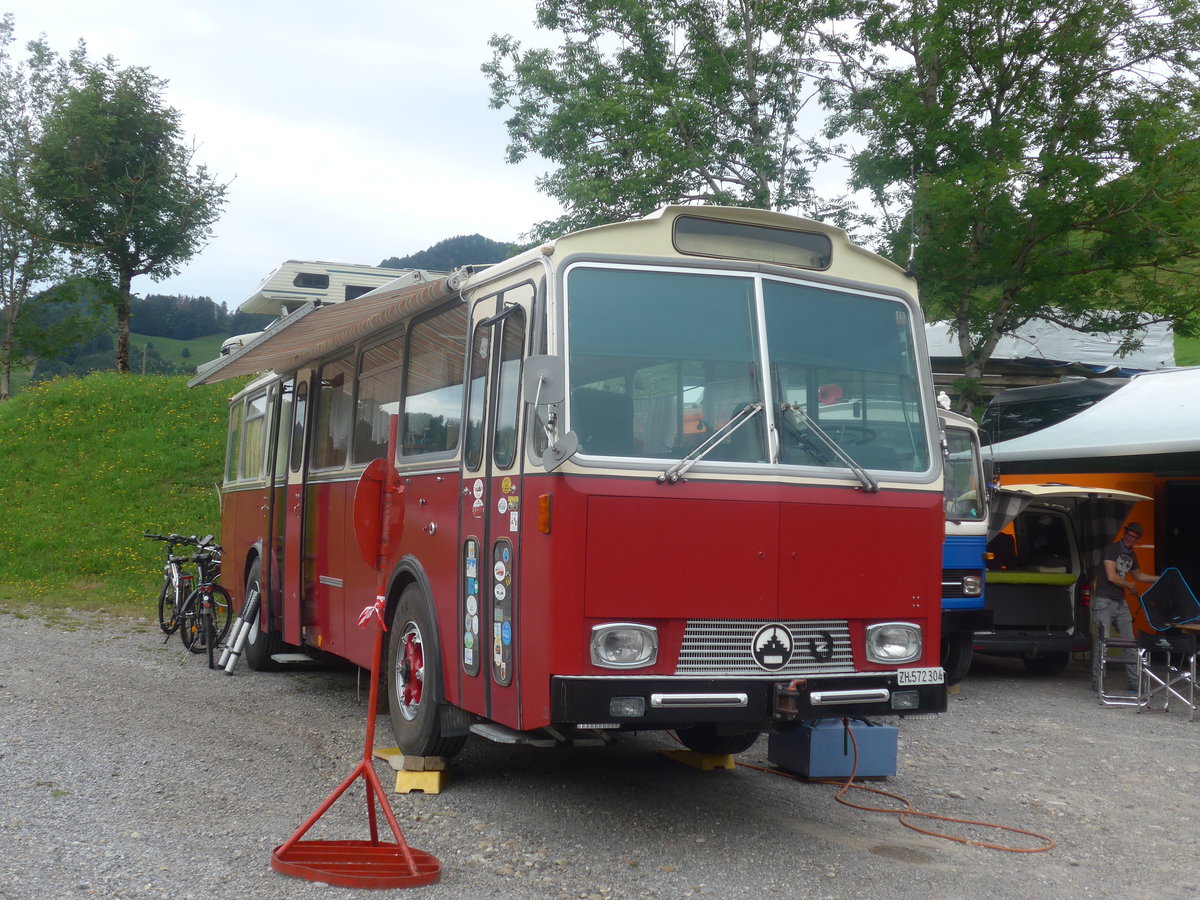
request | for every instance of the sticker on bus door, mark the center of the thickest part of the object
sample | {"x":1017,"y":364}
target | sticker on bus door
{"x":470,"y":612}
{"x":503,"y":593}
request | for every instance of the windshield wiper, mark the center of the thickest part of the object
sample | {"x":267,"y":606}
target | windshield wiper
{"x":870,"y":485}
{"x":740,"y":418}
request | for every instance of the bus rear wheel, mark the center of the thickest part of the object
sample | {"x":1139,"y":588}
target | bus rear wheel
{"x":414,"y":681}
{"x":705,"y":739}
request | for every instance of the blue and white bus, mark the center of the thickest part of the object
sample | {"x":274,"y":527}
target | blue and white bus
{"x":964,"y":554}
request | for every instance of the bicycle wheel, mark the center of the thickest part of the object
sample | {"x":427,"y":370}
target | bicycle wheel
{"x":191,"y":622}
{"x":206,"y":629}
{"x":190,"y":632}
{"x":222,"y":613}
{"x":168,"y":619}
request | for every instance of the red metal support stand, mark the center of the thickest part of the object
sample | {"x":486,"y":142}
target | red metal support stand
{"x":373,"y":863}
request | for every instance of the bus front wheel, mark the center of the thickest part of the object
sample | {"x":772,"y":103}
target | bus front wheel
{"x":414,"y":680}
{"x":706,"y":739}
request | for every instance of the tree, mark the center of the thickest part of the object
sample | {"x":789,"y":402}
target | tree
{"x":27,"y":259}
{"x":660,"y":101}
{"x":118,"y":179}
{"x":1042,"y":159}
{"x":449,"y":254}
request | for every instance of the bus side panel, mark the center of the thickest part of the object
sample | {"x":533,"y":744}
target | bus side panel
{"x":323,"y":604}
{"x":553,"y":639}
{"x":430,"y":507}
{"x":237,"y":506}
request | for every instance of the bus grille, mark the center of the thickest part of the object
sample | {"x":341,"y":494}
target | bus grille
{"x":952,"y":582}
{"x":718,"y":647}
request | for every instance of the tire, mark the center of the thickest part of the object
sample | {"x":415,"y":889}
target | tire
{"x":414,"y":682}
{"x":208,"y":631}
{"x":957,"y":655}
{"x":705,"y":739}
{"x":1048,"y":664}
{"x":222,"y":613}
{"x":168,"y":619}
{"x":190,"y":624}
{"x":261,"y":644}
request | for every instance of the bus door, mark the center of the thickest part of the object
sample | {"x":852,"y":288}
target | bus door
{"x":274,"y":500}
{"x":293,"y":526}
{"x":489,"y":600}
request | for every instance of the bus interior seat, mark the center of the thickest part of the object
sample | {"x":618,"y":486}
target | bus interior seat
{"x":603,"y":421}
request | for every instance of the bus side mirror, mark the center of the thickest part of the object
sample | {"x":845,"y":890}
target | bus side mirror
{"x":544,"y":383}
{"x":544,"y":380}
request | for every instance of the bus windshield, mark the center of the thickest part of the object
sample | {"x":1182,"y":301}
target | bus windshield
{"x":660,"y":360}
{"x":964,"y":494}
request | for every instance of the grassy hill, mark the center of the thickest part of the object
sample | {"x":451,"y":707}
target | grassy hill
{"x":199,"y":350}
{"x":87,"y":465}
{"x":1187,"y":351}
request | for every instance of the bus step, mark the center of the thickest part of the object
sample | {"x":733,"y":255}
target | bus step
{"x":501,"y":734}
{"x":291,"y":659}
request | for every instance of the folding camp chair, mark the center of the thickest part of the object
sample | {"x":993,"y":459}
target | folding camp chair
{"x":1167,"y":656}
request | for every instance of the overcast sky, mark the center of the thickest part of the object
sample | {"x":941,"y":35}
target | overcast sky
{"x":351,"y":132}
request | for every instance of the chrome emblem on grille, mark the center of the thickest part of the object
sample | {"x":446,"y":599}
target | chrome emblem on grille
{"x":772,"y":647}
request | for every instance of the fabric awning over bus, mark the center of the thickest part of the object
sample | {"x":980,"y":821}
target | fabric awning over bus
{"x":312,"y":332}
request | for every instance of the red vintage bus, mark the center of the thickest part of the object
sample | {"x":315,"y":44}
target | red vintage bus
{"x":682,"y":473}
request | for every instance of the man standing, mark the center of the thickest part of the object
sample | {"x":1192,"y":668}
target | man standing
{"x":1119,"y":573}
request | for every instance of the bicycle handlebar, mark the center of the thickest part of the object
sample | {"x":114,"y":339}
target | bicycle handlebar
{"x":174,"y":539}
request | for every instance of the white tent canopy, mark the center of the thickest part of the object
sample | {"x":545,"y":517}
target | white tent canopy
{"x":1051,"y":343}
{"x":1157,"y":412}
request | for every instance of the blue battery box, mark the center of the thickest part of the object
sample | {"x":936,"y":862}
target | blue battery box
{"x":822,"y":749}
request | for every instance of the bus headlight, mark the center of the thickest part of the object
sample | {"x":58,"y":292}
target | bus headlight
{"x":624,"y":645}
{"x":893,"y":642}
{"x":972,"y":585}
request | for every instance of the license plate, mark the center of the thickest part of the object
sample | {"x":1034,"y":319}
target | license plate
{"x":933,"y":675}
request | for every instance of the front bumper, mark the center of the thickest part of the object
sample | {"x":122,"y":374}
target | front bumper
{"x":1029,"y":643}
{"x":680,"y":702}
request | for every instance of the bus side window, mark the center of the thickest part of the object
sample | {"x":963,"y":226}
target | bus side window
{"x":331,"y":431}
{"x":299,"y":413}
{"x":433,"y":386}
{"x":378,"y":397}
{"x":254,"y":438}
{"x":512,"y":350}
{"x":280,"y":429}
{"x":234,"y":449}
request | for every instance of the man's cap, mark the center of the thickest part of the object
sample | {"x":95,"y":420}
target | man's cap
{"x":1134,"y":528}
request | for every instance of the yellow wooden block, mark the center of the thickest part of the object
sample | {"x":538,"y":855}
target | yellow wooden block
{"x":429,"y":782}
{"x":704,"y":761}
{"x":399,"y":762}
{"x":391,"y":755}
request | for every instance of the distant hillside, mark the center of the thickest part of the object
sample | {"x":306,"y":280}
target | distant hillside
{"x":86,"y":465}
{"x":448,"y":255}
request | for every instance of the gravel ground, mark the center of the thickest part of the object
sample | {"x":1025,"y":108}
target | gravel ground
{"x":129,"y":770}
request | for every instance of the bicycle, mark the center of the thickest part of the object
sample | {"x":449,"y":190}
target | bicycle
{"x":177,"y":583}
{"x":206,"y":613}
